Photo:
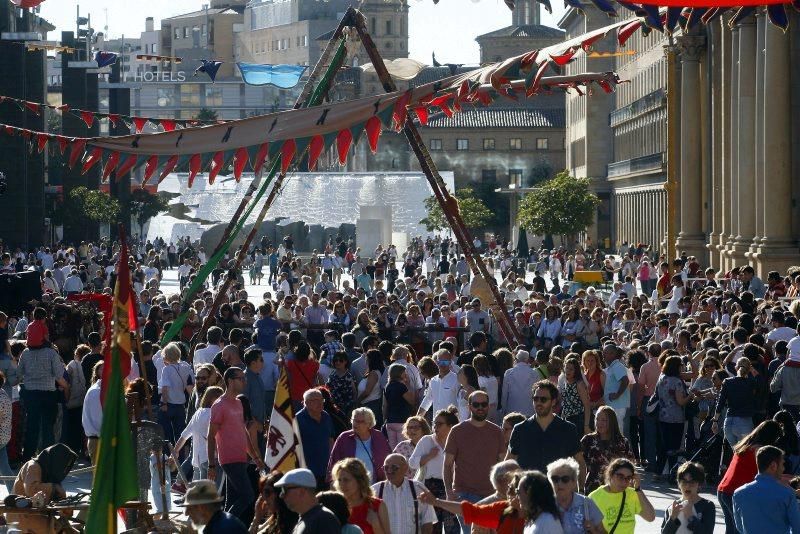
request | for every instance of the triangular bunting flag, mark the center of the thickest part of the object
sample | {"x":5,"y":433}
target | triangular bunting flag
{"x":78,"y":147}
{"x":168,"y":168}
{"x":373,"y":129}
{"x":127,"y":165}
{"x":34,"y":107}
{"x":194,"y":167}
{"x":88,"y":118}
{"x":167,"y":124}
{"x":150,"y":168}
{"x":261,"y":156}
{"x":422,"y":115}
{"x":315,"y":148}
{"x":239,"y":163}
{"x":111,"y":164}
{"x":288,"y":150}
{"x":343,"y":141}
{"x":93,"y":158}
{"x":62,"y":143}
{"x":42,"y":140}
{"x":401,"y":110}
{"x":139,"y":123}
{"x":356,"y":130}
{"x":216,"y":165}
{"x":113,"y":118}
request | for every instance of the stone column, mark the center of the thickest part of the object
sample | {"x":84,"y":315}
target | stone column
{"x":758,"y":199}
{"x":777,"y":251}
{"x":746,"y":140}
{"x":715,"y":85}
{"x":733,"y":198}
{"x":691,"y":237}
{"x":724,"y":111}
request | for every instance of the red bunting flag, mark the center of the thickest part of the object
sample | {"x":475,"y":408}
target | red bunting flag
{"x":88,"y":118}
{"x":42,"y":140}
{"x":239,"y":162}
{"x":288,"y":150}
{"x":149,"y":169}
{"x":422,"y":115}
{"x":168,"y":168}
{"x":261,"y":156}
{"x":373,"y":128}
{"x":343,"y":142}
{"x":194,"y":167}
{"x":34,"y":107}
{"x":139,"y":122}
{"x":111,"y":164}
{"x":216,"y":166}
{"x":127,"y":165}
{"x":315,"y":148}
{"x":92,"y":160}
{"x":167,"y":124}
{"x":78,"y":146}
{"x":62,"y":143}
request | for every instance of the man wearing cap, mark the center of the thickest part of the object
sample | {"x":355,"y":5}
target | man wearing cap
{"x":298,"y":490}
{"x":517,"y":383}
{"x":204,"y":507}
{"x":443,"y":388}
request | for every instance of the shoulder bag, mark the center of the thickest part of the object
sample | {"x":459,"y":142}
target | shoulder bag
{"x":619,"y":515}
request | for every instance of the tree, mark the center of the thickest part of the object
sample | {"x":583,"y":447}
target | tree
{"x":205,"y":114}
{"x":561,"y":206}
{"x":145,"y":206}
{"x":473,"y":211}
{"x":82,"y":204}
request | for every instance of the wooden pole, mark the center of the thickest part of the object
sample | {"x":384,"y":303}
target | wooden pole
{"x":447,"y":202}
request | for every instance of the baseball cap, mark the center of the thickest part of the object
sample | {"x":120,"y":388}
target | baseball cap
{"x":303,"y":478}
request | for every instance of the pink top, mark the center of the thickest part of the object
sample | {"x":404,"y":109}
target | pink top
{"x":231,"y":437}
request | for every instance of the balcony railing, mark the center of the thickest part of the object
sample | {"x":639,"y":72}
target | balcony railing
{"x":653,"y":162}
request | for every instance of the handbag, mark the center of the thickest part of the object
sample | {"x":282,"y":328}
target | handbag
{"x":652,"y":402}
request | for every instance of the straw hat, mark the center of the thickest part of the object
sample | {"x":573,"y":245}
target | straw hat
{"x":202,"y":492}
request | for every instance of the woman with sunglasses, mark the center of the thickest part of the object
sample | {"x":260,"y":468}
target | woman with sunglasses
{"x":428,"y":458}
{"x":579,"y":513}
{"x":622,"y":498}
{"x":272,"y":516}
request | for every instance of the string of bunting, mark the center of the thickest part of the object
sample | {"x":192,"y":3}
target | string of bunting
{"x":49,"y":47}
{"x":249,"y":143}
{"x":153,"y":57}
{"x":88,"y":117}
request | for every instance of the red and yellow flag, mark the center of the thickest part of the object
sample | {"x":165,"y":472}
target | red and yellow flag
{"x":284,"y":448}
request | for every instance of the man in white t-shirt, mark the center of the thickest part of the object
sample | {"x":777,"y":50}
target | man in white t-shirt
{"x":780,"y":331}
{"x":215,"y":345}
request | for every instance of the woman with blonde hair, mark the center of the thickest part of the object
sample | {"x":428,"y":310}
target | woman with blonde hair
{"x":350,"y":478}
{"x":197,"y":430}
{"x":414,"y":429}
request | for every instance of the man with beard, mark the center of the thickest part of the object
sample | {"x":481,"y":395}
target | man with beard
{"x":545,"y":437}
{"x":472,"y":448}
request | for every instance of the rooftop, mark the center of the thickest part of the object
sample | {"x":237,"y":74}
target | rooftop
{"x":210,"y":11}
{"x":496,"y":117}
{"x":529,"y":30}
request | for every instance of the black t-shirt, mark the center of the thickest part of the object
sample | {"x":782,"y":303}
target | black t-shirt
{"x":535,"y":448}
{"x":539,"y":285}
{"x":318,"y":520}
{"x":224,"y":522}
{"x":397,"y":409}
{"x":466,"y":357}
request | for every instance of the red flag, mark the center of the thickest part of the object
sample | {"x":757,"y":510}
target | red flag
{"x":288,"y":149}
{"x":343,"y":141}
{"x":123,"y":301}
{"x":111,"y":164}
{"x":315,"y":148}
{"x":88,"y":118}
{"x":373,"y":128}
{"x":216,"y":166}
{"x":139,"y":122}
{"x":239,"y":161}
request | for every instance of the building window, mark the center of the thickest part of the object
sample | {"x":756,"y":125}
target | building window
{"x":203,"y":29}
{"x":388,"y":45}
{"x":541,"y":143}
{"x":165,"y":97}
{"x":305,"y":40}
{"x":186,"y":32}
{"x":489,"y":175}
{"x":177,"y":33}
{"x":462,"y":144}
{"x":373,"y":26}
{"x":515,"y":143}
{"x":436,"y":144}
{"x":190,"y":94}
{"x":388,"y":27}
{"x":488,"y":143}
{"x":213,"y":96}
{"x":515,"y":177}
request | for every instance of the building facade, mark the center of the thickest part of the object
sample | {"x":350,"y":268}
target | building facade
{"x":736,"y":140}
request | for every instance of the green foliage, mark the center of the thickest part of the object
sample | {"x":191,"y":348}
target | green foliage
{"x":562,"y":206}
{"x":205,"y":114}
{"x":82,"y":204}
{"x":145,"y":206}
{"x":473,"y":211}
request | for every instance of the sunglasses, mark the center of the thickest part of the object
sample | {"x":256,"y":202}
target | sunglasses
{"x":541,"y":400}
{"x":480,"y":404}
{"x":566,"y":479}
{"x":624,"y":478}
{"x":287,"y":489}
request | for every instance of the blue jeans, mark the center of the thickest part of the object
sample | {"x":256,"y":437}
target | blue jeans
{"x":473,"y":498}
{"x":726,"y":503}
{"x":238,"y":491}
{"x":735,"y":428}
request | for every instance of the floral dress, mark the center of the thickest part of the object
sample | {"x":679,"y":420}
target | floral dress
{"x":341,"y":388}
{"x":598,"y":454}
{"x":405,"y":448}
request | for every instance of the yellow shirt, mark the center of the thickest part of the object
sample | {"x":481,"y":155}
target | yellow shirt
{"x":609,"y":504}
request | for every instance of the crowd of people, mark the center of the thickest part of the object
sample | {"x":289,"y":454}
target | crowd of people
{"x":415,"y":413}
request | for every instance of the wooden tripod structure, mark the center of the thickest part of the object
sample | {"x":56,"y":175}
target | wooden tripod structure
{"x":355,"y":19}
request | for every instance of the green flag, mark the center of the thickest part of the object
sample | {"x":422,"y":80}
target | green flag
{"x":115,"y":468}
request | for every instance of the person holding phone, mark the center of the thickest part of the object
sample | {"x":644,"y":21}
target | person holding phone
{"x":621,"y":499}
{"x":690,"y":511}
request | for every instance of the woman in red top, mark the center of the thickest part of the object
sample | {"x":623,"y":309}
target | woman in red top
{"x":350,"y":478}
{"x":743,"y":468}
{"x":595,"y":378}
{"x":302,"y":369}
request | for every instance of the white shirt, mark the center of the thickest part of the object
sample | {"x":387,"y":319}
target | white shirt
{"x":441,"y":392}
{"x":434,"y":468}
{"x":400,"y":504}
{"x":197,"y":429}
{"x":782,"y":333}
{"x":73,"y":283}
{"x":489,"y":385}
{"x":92,"y":415}
{"x":205,"y":355}
{"x":517,"y":383}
